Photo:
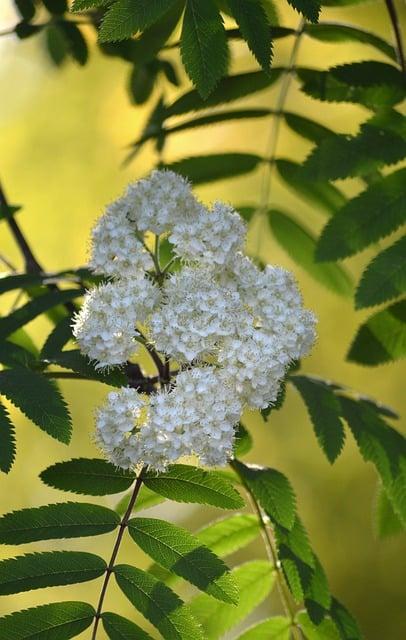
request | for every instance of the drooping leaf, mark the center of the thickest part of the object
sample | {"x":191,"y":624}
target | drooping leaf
{"x":202,"y":169}
{"x":301,"y":246}
{"x":376,"y":212}
{"x":119,"y":628}
{"x":26,"y":8}
{"x":56,"y":621}
{"x":272,"y":490}
{"x":317,"y":595}
{"x":56,"y":44}
{"x":310,"y":9}
{"x":254,"y":26}
{"x":344,"y":621}
{"x":56,"y":7}
{"x":324,"y":410}
{"x":62,"y":520}
{"x":145,"y":500}
{"x":308,"y":129}
{"x":57,"y":339}
{"x":182,"y":553}
{"x":276,"y":628}
{"x":321,"y":193}
{"x":157,"y":603}
{"x":337,"y":32}
{"x":387,"y":522}
{"x":203,"y":45}
{"x":382,"y":445}
{"x":243,"y":441}
{"x":126,"y":17}
{"x":384,"y":278}
{"x":254,"y":580}
{"x":76,"y":43}
{"x":39,"y":399}
{"x":7,"y":441}
{"x":229,"y":89}
{"x":12,"y":355}
{"x":93,"y":477}
{"x":296,"y":542}
{"x":326,"y":630}
{"x":230,"y":534}
{"x":382,"y":338}
{"x":184,"y":483}
{"x":20,"y":281}
{"x":215,"y":118}
{"x":48,"y":569}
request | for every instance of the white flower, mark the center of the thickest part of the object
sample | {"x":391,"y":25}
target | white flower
{"x":154,"y":203}
{"x":116,"y":251}
{"x":211,"y":235}
{"x":195,"y":315}
{"x":106,"y":324}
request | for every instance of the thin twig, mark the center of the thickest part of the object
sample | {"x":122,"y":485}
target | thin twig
{"x":116,"y":548}
{"x":394,"y":18}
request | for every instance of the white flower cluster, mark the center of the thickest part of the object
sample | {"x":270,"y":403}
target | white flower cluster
{"x":232,"y":328}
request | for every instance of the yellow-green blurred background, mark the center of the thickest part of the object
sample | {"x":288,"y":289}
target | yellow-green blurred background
{"x":63,"y":138}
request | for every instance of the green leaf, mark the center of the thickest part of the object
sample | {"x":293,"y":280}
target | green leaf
{"x":201,"y":169}
{"x":382,"y":445}
{"x":26,"y":8}
{"x":382,"y":338}
{"x":243,"y":441}
{"x":310,"y":9}
{"x":63,"y":520}
{"x":119,"y":628}
{"x":20,"y":281}
{"x":56,"y":44}
{"x":56,"y":7}
{"x":39,"y":399}
{"x":34,"y":308}
{"x":8,"y":211}
{"x":72,"y":359}
{"x":126,"y":17}
{"x":157,"y":603}
{"x":326,"y":630}
{"x":184,"y":483}
{"x":7,"y":441}
{"x":229,"y":89}
{"x":75,"y":40}
{"x":272,"y":490}
{"x":145,"y":500}
{"x":182,"y":553}
{"x":142,"y":82}
{"x":376,"y":212}
{"x":324,"y":195}
{"x":57,"y":339}
{"x":343,"y":84}
{"x":317,"y":594}
{"x":48,"y":569}
{"x":91,"y":477}
{"x":343,"y":156}
{"x":337,"y":32}
{"x":203,"y":45}
{"x":56,"y":621}
{"x":344,"y":621}
{"x":230,"y":534}
{"x":254,"y":26}
{"x":215,"y":118}
{"x":308,"y":129}
{"x":301,"y":245}
{"x":254,"y":580}
{"x":80,"y":5}
{"x":324,"y":410}
{"x":384,"y":278}
{"x":276,"y":628}
{"x":387,"y":522}
{"x":296,"y":541}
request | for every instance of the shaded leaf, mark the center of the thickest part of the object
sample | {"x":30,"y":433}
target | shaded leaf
{"x":92,"y":477}
{"x":48,"y":569}
{"x":324,"y":410}
{"x":384,"y":278}
{"x":301,"y":245}
{"x":308,"y":129}
{"x":119,"y":628}
{"x":387,"y":523}
{"x":337,"y":32}
{"x":296,"y":541}
{"x":326,"y":630}
{"x":202,"y":169}
{"x":73,"y":359}
{"x":7,"y":441}
{"x":63,"y":520}
{"x":157,"y":603}
{"x":39,"y":399}
{"x":184,"y":483}
{"x":57,"y":339}
{"x":272,"y":490}
{"x":344,"y":621}
{"x":310,"y":9}
{"x":126,"y":17}
{"x":319,"y":192}
{"x":254,"y":26}
{"x":254,"y":580}
{"x":376,"y":212}
{"x":182,"y":553}
{"x":56,"y":621}
{"x":13,"y":355}
{"x":76,"y":42}
{"x":382,"y":338}
{"x":203,"y":45}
